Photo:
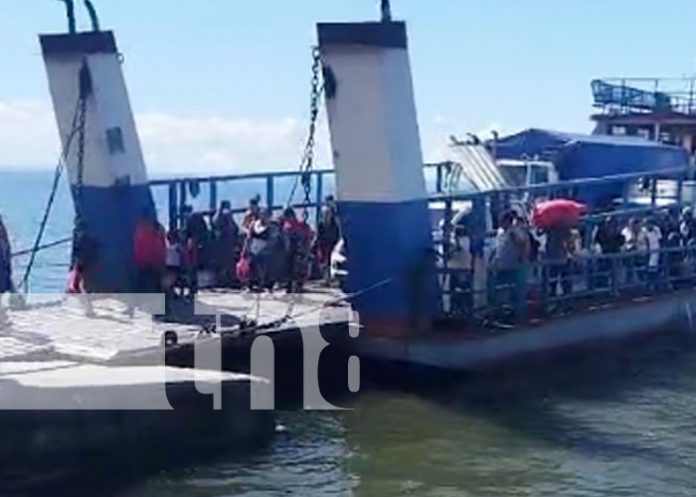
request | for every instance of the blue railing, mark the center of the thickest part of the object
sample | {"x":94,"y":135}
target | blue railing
{"x":594,"y":277}
{"x":574,"y":284}
{"x":273,"y":188}
{"x":645,"y":94}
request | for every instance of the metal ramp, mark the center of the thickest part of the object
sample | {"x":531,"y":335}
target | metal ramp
{"x":478,"y":166}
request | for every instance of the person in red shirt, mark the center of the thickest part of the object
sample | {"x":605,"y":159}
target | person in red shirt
{"x":150,"y":254}
{"x":298,"y":236}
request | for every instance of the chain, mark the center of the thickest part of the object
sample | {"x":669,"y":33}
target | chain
{"x":77,"y":130}
{"x":307,"y":163}
{"x":82,"y":120}
{"x":60,"y":167}
{"x":85,"y":81}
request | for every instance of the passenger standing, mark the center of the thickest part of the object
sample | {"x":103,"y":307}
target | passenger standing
{"x":298,"y":238}
{"x":687,"y":231}
{"x":460,"y":266}
{"x":511,"y":258}
{"x":674,"y":257}
{"x":608,"y":237}
{"x":198,"y":239}
{"x":258,"y":248}
{"x":653,"y":237}
{"x":328,"y":235}
{"x":687,"y":226}
{"x":636,"y":246}
{"x":252,"y":214}
{"x":558,"y":258}
{"x":174,"y":277}
{"x":609,"y":240}
{"x":226,"y":234}
{"x":276,"y":252}
{"x":84,"y":259}
{"x":150,"y":254}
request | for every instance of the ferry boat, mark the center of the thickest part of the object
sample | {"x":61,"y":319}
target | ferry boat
{"x":410,"y":311}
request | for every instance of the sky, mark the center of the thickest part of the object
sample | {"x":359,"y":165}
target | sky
{"x":222,"y":85}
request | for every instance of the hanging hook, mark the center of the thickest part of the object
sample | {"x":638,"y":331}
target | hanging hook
{"x":386,"y":11}
{"x":92,"y":15}
{"x":70,"y":13}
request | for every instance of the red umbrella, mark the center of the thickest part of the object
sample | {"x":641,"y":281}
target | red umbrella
{"x":558,"y":212}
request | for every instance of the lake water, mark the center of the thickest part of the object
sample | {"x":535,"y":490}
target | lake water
{"x":612,"y":425}
{"x":608,"y":427}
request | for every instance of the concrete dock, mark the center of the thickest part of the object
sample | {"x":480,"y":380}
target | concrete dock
{"x":76,"y":382}
{"x":62,"y":419}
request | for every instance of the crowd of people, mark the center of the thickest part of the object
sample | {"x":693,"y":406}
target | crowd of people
{"x":261,"y":253}
{"x":553,"y":265}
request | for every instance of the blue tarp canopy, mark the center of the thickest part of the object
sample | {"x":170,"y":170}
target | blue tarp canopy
{"x":591,"y":156}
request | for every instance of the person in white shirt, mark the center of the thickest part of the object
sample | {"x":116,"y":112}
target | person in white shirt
{"x":653,"y":237}
{"x":634,"y":236}
{"x":636,"y":243}
{"x":460,"y":265}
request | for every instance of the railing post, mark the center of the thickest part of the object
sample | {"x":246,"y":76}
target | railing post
{"x":653,"y":192}
{"x":480,"y":280}
{"x":270,"y":201}
{"x":320,"y":196}
{"x":447,"y":231}
{"x":438,"y":181}
{"x":545,"y":284}
{"x":213,"y":195}
{"x":680,"y":191}
{"x":182,"y":199}
{"x":173,"y":207}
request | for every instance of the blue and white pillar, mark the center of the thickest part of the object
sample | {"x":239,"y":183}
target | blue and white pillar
{"x":115,"y":186}
{"x":379,"y":174}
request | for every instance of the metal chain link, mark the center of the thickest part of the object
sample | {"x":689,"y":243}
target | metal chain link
{"x":78,"y":130}
{"x":78,"y":124}
{"x":85,"y":83}
{"x":82,"y":121}
{"x":307,"y":163}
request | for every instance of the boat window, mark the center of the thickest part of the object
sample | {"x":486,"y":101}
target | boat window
{"x":540,"y":175}
{"x":114,"y":139}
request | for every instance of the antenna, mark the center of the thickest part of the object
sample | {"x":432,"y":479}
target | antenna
{"x":70,"y":13}
{"x":92,"y":15}
{"x":386,"y":11}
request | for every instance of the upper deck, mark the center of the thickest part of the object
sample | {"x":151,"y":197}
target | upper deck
{"x":664,"y":96}
{"x":660,"y":109}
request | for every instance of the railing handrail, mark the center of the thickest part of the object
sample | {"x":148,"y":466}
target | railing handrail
{"x":601,"y":280}
{"x":231,"y":177}
{"x":253,"y":176}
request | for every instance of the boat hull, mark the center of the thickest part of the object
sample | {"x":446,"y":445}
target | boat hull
{"x":466,"y":349}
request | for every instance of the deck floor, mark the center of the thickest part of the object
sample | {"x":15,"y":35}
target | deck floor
{"x":64,"y":330}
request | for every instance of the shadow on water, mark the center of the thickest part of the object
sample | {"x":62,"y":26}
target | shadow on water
{"x":111,"y":475}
